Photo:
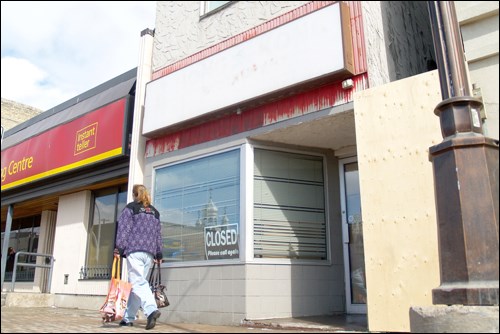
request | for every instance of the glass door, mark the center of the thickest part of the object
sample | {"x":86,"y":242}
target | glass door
{"x":352,"y":236}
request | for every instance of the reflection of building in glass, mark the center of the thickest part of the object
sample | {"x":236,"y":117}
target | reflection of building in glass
{"x":209,"y":215}
{"x":187,"y":243}
{"x":183,"y":242}
{"x":225,"y":220}
{"x":210,"y":211}
{"x":199,"y":223}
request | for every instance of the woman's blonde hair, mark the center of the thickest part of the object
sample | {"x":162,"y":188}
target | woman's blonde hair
{"x":141,"y":194}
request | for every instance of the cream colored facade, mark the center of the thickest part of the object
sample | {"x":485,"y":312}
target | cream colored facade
{"x":394,"y":124}
{"x":479,"y":27}
{"x":276,"y":288}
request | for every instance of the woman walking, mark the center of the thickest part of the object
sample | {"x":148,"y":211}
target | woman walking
{"x":139,"y":240}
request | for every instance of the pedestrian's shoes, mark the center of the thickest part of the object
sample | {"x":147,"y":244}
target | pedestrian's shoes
{"x":152,"y":319}
{"x":124,"y":323}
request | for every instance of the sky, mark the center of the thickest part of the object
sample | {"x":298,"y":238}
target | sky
{"x":54,"y":51}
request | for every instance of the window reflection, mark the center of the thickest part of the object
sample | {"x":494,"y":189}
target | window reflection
{"x":210,"y":6}
{"x":199,"y":197}
{"x":355,"y":224}
{"x":108,"y":204}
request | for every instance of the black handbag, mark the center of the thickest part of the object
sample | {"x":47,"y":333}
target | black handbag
{"x":158,"y":289}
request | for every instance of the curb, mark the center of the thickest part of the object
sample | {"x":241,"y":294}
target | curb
{"x":286,"y":325}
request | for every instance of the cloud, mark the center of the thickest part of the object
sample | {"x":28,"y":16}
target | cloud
{"x":24,"y":81}
{"x":53,"y":51}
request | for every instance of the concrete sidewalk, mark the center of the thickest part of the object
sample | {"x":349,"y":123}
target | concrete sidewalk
{"x":63,"y":320}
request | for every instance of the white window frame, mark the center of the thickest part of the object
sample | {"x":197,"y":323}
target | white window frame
{"x":205,"y":7}
{"x":250,"y":229}
{"x":246,"y":200}
{"x":198,"y":155}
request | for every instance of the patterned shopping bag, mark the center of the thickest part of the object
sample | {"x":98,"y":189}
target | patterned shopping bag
{"x":116,"y":301}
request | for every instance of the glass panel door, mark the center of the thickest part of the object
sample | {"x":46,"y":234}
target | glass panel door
{"x":108,"y":204}
{"x":352,"y":230}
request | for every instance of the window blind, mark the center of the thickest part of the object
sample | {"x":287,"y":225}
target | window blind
{"x":289,"y":206}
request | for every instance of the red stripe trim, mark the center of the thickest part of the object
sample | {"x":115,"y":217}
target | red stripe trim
{"x":358,"y":37}
{"x":294,"y":106}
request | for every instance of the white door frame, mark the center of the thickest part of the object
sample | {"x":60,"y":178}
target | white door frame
{"x":350,"y":307}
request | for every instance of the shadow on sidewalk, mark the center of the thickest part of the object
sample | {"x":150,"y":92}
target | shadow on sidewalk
{"x":349,"y":323}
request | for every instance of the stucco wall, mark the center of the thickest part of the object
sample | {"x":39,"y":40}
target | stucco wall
{"x":395,"y":126}
{"x":179,"y":31}
{"x":398,"y":39}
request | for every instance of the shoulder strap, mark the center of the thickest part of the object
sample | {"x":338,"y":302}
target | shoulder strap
{"x":155,"y":275}
{"x":115,"y":269}
{"x":159,"y":273}
{"x":152,"y":275}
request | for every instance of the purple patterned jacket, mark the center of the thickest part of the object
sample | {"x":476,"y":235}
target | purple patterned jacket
{"x":139,"y":230}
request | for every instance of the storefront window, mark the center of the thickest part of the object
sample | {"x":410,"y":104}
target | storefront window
{"x":289,"y":206}
{"x":24,"y":237}
{"x":199,"y":204}
{"x":107,"y":206}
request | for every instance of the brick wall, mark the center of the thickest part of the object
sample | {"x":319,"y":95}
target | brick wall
{"x":14,"y":113}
